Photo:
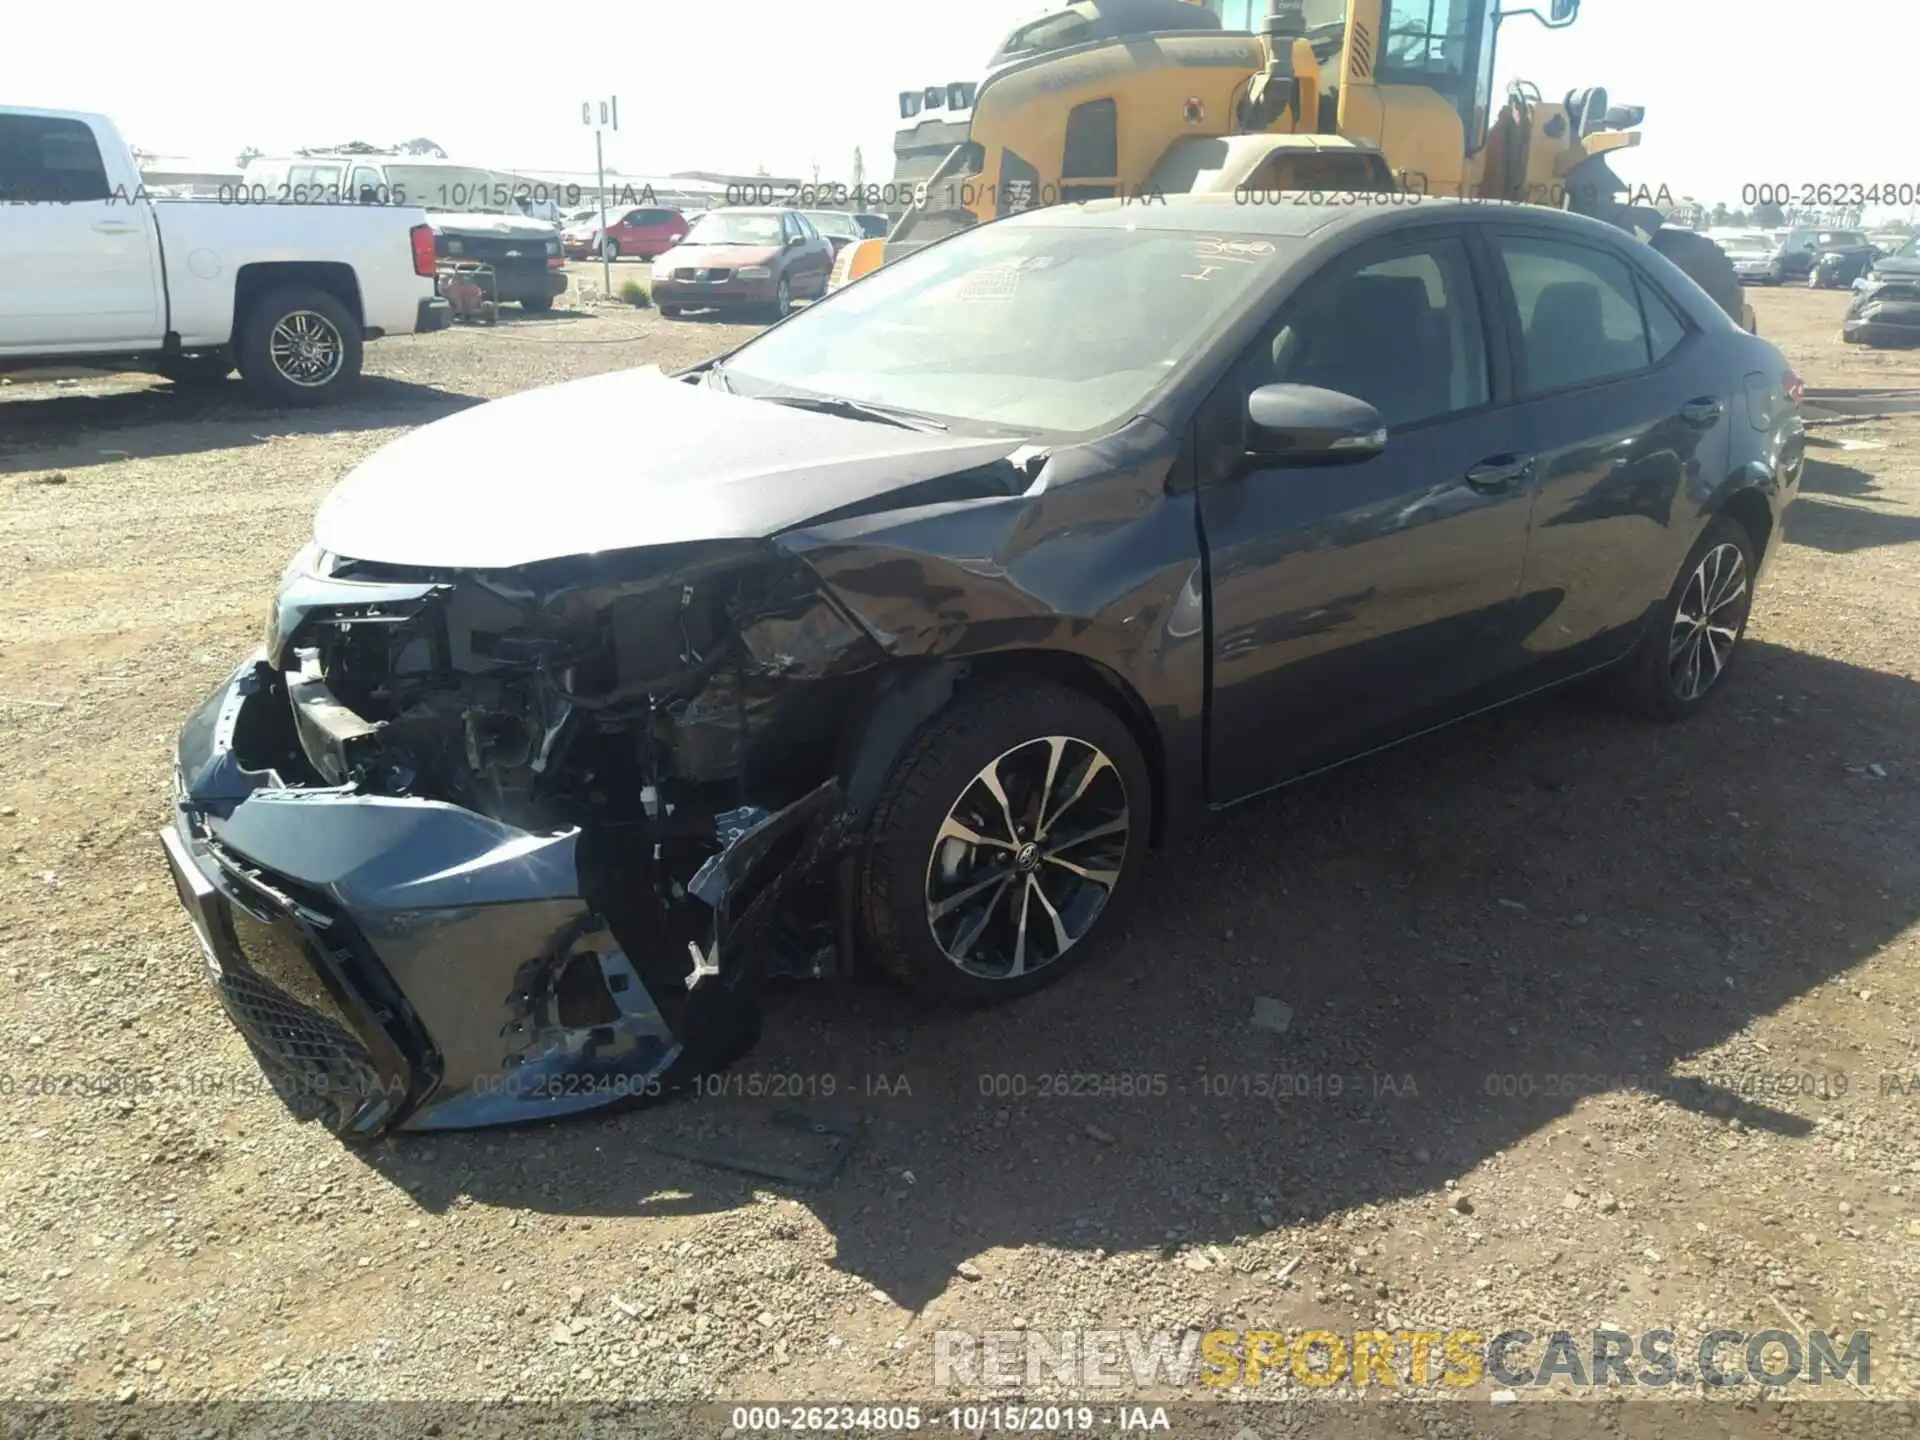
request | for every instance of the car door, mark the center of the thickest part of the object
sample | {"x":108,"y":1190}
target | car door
{"x":817,"y":253}
{"x":1623,"y":408}
{"x":1352,"y":604}
{"x":78,"y":262}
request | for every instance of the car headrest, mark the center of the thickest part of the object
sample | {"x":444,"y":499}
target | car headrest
{"x":1565,"y":314}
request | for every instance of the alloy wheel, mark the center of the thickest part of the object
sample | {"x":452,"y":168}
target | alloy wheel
{"x":1707,"y":622}
{"x":306,"y":349}
{"x":1027,"y":857}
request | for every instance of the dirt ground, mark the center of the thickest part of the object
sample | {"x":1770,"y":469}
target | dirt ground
{"x":1499,"y":948}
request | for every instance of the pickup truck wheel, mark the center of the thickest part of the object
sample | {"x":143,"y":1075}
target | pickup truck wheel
{"x":299,"y":346}
{"x":1008,"y":836}
{"x":537,"y":304}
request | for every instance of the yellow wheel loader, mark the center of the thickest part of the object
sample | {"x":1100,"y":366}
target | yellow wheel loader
{"x":1141,"y":98}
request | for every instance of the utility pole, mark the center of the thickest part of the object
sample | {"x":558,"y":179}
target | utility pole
{"x":609,"y":120}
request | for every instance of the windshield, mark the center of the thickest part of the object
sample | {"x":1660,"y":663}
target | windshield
{"x":833,"y":222}
{"x":1910,"y":250}
{"x":734,"y":227}
{"x":1016,"y":328}
{"x":450,"y":188}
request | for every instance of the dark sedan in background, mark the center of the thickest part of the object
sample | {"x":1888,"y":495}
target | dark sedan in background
{"x":758,"y":260}
{"x":913,"y":622}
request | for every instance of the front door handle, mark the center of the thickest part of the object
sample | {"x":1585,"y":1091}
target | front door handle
{"x":1500,"y":472}
{"x":1703,"y":412}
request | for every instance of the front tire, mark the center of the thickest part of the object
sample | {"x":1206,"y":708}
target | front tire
{"x":609,"y":249}
{"x":1011,"y":832}
{"x":1683,"y":659}
{"x":782,"y":299}
{"x":299,"y":346}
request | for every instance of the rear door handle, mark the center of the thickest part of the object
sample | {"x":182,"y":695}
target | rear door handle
{"x":1501,"y":472}
{"x":1702,"y":412}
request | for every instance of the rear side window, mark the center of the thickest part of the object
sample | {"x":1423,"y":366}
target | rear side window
{"x":1665,"y":328}
{"x":1580,"y":320}
{"x":46,"y":161}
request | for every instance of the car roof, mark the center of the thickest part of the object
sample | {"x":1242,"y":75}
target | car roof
{"x":1321,"y":215}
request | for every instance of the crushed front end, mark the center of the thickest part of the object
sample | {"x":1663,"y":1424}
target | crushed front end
{"x":1885,"y":310}
{"x":470,"y":847}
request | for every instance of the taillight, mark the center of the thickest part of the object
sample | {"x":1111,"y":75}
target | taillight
{"x":421,"y":238}
{"x":1796,"y":388}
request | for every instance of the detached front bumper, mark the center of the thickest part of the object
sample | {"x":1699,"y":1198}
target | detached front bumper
{"x":406,"y":963}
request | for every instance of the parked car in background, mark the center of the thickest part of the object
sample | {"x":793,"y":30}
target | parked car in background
{"x":1885,"y":309}
{"x":872,"y":226}
{"x":760,"y":259}
{"x":1752,"y":253}
{"x":475,"y":213}
{"x":920,"y":618}
{"x":840,"y":227}
{"x":633,"y":232}
{"x":92,"y":270}
{"x":1801,"y":249}
{"x":1838,"y":269}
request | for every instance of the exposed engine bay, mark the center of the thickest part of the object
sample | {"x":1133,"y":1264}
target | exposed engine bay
{"x":662,"y":703}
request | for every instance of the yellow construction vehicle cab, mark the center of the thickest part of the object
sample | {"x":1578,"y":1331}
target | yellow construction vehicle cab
{"x":1140,"y":98}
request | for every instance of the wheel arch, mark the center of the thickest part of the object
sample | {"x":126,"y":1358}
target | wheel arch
{"x":1748,"y":508}
{"x":914,"y":692}
{"x":335,"y":278}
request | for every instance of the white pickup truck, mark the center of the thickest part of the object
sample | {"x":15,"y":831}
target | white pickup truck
{"x":95,"y":273}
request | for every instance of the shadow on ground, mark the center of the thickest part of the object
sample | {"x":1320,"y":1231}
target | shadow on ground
{"x":1833,"y":513}
{"x":58,"y":430}
{"x":1550,"y":892}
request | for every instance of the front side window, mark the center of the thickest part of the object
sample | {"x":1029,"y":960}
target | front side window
{"x":46,"y":161}
{"x":1400,"y":330}
{"x":1580,"y":318}
{"x":1019,"y":327}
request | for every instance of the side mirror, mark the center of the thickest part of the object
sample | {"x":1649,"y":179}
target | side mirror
{"x":1305,"y":425}
{"x":1562,"y":12}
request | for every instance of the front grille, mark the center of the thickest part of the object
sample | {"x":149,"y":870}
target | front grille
{"x":315,"y":1064}
{"x":271,"y":987}
{"x":703,"y":274}
{"x":493,"y":251}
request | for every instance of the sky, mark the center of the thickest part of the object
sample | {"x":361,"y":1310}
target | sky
{"x":736,"y":85}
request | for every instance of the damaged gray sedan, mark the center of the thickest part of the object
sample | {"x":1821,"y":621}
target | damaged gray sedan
{"x":901,"y":632}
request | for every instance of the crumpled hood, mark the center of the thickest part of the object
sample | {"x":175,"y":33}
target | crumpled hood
{"x":491,"y":487}
{"x":1890,"y":267}
{"x":481,"y":224}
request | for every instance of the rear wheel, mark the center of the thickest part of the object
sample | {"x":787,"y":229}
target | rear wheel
{"x":1011,"y":832}
{"x":299,"y":346}
{"x":537,"y":304}
{"x":1706,"y":264}
{"x":1680,"y":662}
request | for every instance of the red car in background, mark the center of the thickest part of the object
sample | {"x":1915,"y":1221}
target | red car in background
{"x":638,"y":232}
